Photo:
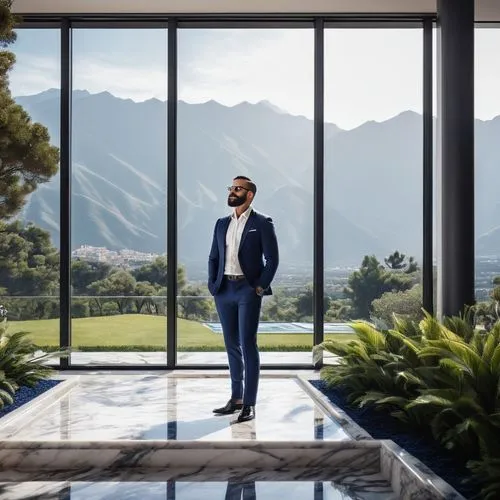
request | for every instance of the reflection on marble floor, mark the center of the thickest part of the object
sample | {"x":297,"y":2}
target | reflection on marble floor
{"x":189,"y":358}
{"x":371,"y":488}
{"x":165,"y":407}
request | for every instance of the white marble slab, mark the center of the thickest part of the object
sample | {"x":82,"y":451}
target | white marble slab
{"x":193,"y":473}
{"x":379,"y":465}
{"x":163,"y":407}
{"x":339,"y":415}
{"x":410,"y":478}
{"x":18,"y":418}
{"x":341,"y":457}
{"x":108,"y":424}
{"x":189,"y":484}
{"x":189,"y":358}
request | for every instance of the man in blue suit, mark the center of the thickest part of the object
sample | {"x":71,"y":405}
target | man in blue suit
{"x":243,"y":261}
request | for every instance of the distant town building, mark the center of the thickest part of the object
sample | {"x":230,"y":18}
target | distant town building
{"x":119,"y":258}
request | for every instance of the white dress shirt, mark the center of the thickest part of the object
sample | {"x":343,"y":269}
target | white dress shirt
{"x":233,"y":239}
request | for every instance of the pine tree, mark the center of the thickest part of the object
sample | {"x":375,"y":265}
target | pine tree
{"x":27,"y":158}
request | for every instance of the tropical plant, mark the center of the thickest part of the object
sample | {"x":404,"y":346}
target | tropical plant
{"x":21,"y":363}
{"x":443,"y":376}
{"x":462,"y":403}
{"x":487,"y":473}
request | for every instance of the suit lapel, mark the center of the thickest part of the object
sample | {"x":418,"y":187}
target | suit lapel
{"x":249,"y":225}
{"x":222,"y":235}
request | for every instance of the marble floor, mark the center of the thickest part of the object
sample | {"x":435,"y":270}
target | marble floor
{"x":153,"y":435}
{"x":167,"y":407}
{"x":188,"y":358}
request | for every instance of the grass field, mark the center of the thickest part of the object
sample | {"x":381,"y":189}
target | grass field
{"x":137,"y":330}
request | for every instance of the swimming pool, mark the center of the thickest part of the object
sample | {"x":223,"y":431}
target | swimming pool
{"x":288,"y":328}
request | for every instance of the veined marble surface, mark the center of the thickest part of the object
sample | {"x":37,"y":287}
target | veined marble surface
{"x":190,"y":358}
{"x":339,"y":415}
{"x":18,"y":417}
{"x":410,"y":478}
{"x":340,"y":457}
{"x":166,"y":407}
{"x":190,"y":485}
{"x":109,"y":427}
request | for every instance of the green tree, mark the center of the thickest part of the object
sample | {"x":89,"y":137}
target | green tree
{"x":194,"y":304}
{"x":144,"y":292}
{"x":27,"y":158}
{"x":279,"y":307}
{"x":117,"y":286}
{"x":84,"y":273}
{"x":370,"y":282}
{"x":29,"y":264}
{"x":156,"y":273}
{"x":407,"y":304}
{"x":495,"y":295}
{"x":488,"y":312}
{"x":304,"y":303}
{"x":80,"y":308}
{"x":398,"y":262}
{"x":160,"y":302}
{"x":338,"y":310}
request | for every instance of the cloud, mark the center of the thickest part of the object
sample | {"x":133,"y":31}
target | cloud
{"x":372,"y":74}
{"x":137,"y":83}
{"x":487,"y":73}
{"x":369,"y":74}
{"x":32,"y":75}
{"x":252,"y":67}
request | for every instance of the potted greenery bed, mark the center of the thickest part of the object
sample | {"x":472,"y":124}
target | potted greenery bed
{"x":433,"y":388}
{"x":23,"y":373}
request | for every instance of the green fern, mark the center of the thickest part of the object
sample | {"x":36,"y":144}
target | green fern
{"x":21,"y":364}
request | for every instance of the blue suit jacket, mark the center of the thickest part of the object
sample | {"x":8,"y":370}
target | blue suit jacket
{"x":258,"y":253}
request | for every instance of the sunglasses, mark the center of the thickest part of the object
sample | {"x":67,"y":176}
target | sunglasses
{"x":237,"y":189}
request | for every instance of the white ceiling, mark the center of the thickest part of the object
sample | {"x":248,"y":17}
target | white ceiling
{"x":486,"y":10}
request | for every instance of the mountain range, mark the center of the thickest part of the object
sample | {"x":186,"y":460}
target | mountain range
{"x":372,"y":188}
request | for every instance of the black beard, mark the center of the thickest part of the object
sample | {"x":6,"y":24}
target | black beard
{"x":237,"y":201}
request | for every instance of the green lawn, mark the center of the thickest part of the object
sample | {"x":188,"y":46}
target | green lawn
{"x":137,"y":330}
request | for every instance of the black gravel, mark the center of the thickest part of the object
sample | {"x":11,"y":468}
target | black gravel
{"x":26,"y":394}
{"x":380,"y":425}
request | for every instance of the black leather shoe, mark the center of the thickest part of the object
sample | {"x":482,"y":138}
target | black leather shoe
{"x":229,"y":408}
{"x":247,"y":413}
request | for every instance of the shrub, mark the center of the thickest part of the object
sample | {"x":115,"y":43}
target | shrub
{"x":439,"y":376}
{"x":80,"y":308}
{"x":21,"y":363}
{"x":407,"y":304}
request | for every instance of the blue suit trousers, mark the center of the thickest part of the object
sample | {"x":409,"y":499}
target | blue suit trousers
{"x":239,"y":307}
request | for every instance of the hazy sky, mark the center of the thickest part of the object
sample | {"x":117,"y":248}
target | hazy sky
{"x":369,"y":74}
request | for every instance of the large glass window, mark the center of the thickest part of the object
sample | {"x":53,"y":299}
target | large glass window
{"x":119,"y":176}
{"x":373,"y":176}
{"x":246,"y":100}
{"x":246,"y":108}
{"x":29,"y":237}
{"x":487,"y":157}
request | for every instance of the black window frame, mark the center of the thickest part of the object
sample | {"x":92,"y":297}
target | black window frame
{"x":319,"y":23}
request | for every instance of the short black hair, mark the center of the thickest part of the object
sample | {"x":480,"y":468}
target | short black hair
{"x":251,"y":185}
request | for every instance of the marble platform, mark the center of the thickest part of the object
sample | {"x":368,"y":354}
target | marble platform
{"x":227,"y":485}
{"x":166,"y":407}
{"x":153,"y":435}
{"x":189,"y":358}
